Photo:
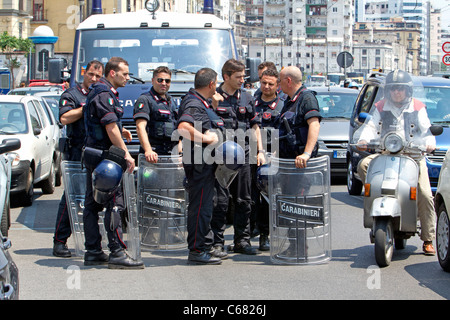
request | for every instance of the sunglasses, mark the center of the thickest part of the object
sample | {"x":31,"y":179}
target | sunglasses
{"x":160,"y":80}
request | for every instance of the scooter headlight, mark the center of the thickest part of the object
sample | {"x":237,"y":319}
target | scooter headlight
{"x":393,"y":143}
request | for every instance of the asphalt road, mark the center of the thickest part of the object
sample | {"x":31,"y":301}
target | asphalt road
{"x":350,"y":274}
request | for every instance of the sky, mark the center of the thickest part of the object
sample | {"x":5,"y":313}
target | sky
{"x":444,"y":5}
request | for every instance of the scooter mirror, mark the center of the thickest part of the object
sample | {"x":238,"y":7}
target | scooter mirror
{"x":436,"y":130}
{"x":363,"y":117}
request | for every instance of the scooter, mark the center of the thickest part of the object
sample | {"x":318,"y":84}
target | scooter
{"x":390,"y":192}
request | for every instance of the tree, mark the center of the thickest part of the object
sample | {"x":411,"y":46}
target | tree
{"x":11,"y":46}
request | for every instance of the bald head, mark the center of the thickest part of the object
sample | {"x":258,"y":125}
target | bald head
{"x":290,"y":80}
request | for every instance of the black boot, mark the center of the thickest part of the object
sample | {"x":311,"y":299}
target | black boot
{"x":204,"y":257}
{"x":60,"y":250}
{"x":120,"y":259}
{"x":95,"y":258}
{"x":264,"y":244}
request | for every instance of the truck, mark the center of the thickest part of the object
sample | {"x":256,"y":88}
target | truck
{"x":148,"y":39}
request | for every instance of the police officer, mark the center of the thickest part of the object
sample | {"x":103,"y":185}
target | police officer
{"x":237,"y":111}
{"x":102,"y":115}
{"x":155,"y":117}
{"x":268,"y":105}
{"x":71,"y":115}
{"x":305,"y":123}
{"x":195,"y":126}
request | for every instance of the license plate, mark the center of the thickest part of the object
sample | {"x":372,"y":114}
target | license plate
{"x":339,"y":154}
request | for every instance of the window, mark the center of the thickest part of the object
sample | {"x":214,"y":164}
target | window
{"x":42,"y":116}
{"x":38,"y":10}
{"x":35,"y":123}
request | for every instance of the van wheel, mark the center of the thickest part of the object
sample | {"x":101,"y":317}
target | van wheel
{"x":48,"y":186}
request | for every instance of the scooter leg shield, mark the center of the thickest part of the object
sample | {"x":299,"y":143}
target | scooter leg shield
{"x":386,"y":206}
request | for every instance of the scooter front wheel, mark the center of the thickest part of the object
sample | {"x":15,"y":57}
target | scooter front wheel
{"x":384,"y":241}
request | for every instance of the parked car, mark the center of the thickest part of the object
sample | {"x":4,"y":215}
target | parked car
{"x":6,"y":146}
{"x":442,"y":201}
{"x":9,"y":273}
{"x":54,"y":95}
{"x":336,"y":106}
{"x":32,"y":90}
{"x":29,"y":119}
{"x":434,"y":92}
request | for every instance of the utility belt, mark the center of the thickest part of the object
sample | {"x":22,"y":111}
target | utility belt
{"x":91,"y":157}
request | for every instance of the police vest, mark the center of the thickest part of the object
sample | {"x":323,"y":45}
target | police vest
{"x":96,"y":135}
{"x":162,"y":119}
{"x":216,"y":121}
{"x":268,"y":111}
{"x":76,"y":131}
{"x":235,"y":110}
{"x":410,"y":119}
{"x":293,"y":143}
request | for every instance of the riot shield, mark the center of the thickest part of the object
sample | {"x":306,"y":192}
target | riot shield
{"x":74,"y":178}
{"x":299,"y":211}
{"x":162,"y":203}
{"x":132,"y":235}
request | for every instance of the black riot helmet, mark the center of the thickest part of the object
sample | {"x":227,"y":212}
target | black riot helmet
{"x":399,"y":79}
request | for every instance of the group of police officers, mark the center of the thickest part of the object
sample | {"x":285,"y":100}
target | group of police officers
{"x":92,"y":113}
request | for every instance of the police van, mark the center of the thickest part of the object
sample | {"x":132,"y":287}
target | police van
{"x":148,"y":39}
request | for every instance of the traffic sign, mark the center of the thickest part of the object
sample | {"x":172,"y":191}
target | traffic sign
{"x":446,"y":47}
{"x":344,"y":59}
{"x":446,"y":59}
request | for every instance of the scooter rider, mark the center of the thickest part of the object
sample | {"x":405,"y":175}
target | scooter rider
{"x":268,"y":104}
{"x":155,"y":117}
{"x":102,"y":115}
{"x":401,"y":109}
{"x":71,"y":115}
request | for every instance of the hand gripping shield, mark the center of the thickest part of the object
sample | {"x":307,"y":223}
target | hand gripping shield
{"x":161,"y":203}
{"x":299,"y":211}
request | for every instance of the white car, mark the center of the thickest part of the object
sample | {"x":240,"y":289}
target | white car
{"x":37,"y":161}
{"x":442,"y":204}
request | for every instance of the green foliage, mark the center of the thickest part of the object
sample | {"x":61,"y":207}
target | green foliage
{"x":9,"y":44}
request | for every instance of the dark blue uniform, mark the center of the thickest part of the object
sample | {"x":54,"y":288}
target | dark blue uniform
{"x":267,"y":111}
{"x":102,"y":108}
{"x":72,"y":98}
{"x":297,"y":111}
{"x":237,"y":112}
{"x":196,"y":110}
{"x":161,"y":120}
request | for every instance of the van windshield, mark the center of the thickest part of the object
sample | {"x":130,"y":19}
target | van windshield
{"x":184,"y":51}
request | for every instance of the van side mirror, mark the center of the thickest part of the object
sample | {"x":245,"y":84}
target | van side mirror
{"x":252,"y":69}
{"x":55,"y":69}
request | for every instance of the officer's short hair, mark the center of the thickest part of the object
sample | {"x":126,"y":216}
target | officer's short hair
{"x":161,"y":69}
{"x":231,"y":66}
{"x":267,"y":64}
{"x":271,"y":73}
{"x":96,"y":65}
{"x":113,"y":64}
{"x":204,"y":77}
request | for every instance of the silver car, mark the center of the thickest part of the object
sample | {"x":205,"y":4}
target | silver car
{"x":336,"y":105}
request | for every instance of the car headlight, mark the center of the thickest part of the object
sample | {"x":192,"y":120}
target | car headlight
{"x":393,"y":143}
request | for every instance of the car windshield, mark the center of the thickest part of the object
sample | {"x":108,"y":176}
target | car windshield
{"x":184,"y":51}
{"x":12,"y":118}
{"x":336,"y":104}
